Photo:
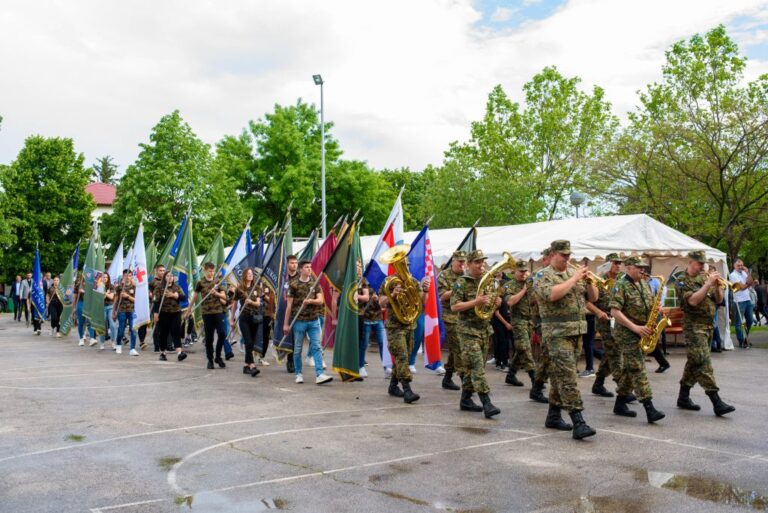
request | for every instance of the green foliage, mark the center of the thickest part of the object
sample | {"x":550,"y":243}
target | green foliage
{"x":173,"y":170}
{"x":694,"y":154}
{"x":104,"y":170}
{"x":46,"y":202}
{"x":417,"y":196}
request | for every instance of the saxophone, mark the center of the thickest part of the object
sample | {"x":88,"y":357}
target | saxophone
{"x":489,"y":287}
{"x":407,"y":305}
{"x":648,"y":344}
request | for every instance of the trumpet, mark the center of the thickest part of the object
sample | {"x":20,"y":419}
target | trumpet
{"x":599,"y":282}
{"x":735,"y":286}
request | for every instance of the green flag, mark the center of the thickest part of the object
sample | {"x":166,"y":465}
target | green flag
{"x":215,"y":254}
{"x":66,"y":293}
{"x":93,"y":305}
{"x":336,"y":268}
{"x":288,"y":231}
{"x":165,"y":257}
{"x":151,"y":255}
{"x":309,"y":250}
{"x":186,"y":268}
{"x":345,"y":350}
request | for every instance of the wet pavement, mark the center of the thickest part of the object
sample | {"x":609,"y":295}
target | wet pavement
{"x":83,"y":430}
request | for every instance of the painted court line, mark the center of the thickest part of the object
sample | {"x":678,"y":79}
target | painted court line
{"x":100,"y":387}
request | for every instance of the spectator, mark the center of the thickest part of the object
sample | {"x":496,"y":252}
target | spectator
{"x":762,"y":304}
{"x":743,"y":312}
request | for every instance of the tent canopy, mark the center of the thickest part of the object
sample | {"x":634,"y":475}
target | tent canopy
{"x":591,"y":238}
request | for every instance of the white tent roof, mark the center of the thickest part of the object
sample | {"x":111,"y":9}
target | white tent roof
{"x":591,"y":237}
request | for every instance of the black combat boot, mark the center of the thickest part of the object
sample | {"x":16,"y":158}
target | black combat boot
{"x":409,"y":396}
{"x":652,"y":413}
{"x":580,"y":428}
{"x":511,"y":379}
{"x":448,"y":383}
{"x":630,"y":398}
{"x":393,"y":388}
{"x":720,"y":407}
{"x":532,"y":375}
{"x":488,"y":408}
{"x":684,"y":399}
{"x":555,"y":420}
{"x":536,"y":394}
{"x":467,"y":404}
{"x":620,"y":408}
{"x":289,"y":368}
{"x":598,"y":388}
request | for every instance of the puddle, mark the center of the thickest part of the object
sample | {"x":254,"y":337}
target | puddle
{"x":475,"y":430}
{"x":608,"y":504}
{"x":218,"y":503}
{"x":705,"y":489}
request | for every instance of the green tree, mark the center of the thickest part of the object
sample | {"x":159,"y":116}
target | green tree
{"x":104,"y":170}
{"x":416,"y":195}
{"x":694,"y":153}
{"x":173,"y":171}
{"x":46,"y":204}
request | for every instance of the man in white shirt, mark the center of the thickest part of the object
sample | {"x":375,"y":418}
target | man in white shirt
{"x":743,"y":302}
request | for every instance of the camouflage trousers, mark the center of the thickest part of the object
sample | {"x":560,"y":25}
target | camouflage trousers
{"x":454,"y":363}
{"x":542,"y":372}
{"x":633,"y":377}
{"x":521,"y":355}
{"x":563,"y":353}
{"x":400,"y":344}
{"x":474,"y":344}
{"x":698,"y":366}
{"x":610,"y":364}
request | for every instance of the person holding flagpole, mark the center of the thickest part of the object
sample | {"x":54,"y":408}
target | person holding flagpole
{"x":55,"y":306}
{"x":109,"y":304}
{"x":250,"y":320}
{"x":169,"y":318}
{"x":124,"y":298}
{"x":214,"y":293}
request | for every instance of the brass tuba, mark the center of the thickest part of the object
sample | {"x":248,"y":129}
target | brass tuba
{"x":407,"y":305}
{"x":648,"y":344}
{"x":489,"y":287}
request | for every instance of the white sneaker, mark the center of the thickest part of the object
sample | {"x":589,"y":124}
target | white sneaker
{"x":413,"y":368}
{"x":325,"y":366}
{"x":491,"y":361}
{"x":119,"y":349}
{"x":133,"y":352}
{"x":81,"y":343}
{"x":93,"y":342}
{"x":387,"y":372}
{"x":299,"y":378}
{"x":58,"y":335}
{"x":263,"y":362}
{"x":101,"y":347}
{"x":323,"y":378}
{"x":363,"y":372}
{"x":440,"y":371}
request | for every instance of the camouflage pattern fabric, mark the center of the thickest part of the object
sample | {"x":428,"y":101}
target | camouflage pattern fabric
{"x":521,"y":358}
{"x":454,"y":362}
{"x":697,"y":330}
{"x":400,"y":344}
{"x":563,"y":353}
{"x":445,"y":281}
{"x":211,"y":304}
{"x":473,"y":337}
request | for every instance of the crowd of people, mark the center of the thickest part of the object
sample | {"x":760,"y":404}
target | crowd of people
{"x":560,"y":309}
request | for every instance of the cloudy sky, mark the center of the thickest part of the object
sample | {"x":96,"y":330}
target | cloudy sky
{"x":402,"y":78}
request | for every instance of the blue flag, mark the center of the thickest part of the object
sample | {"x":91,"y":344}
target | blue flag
{"x":37,"y":295}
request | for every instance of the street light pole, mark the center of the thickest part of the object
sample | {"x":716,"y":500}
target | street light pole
{"x":319,"y":81}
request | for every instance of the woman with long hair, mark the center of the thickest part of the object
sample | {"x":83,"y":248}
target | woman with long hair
{"x":169,"y":319}
{"x":55,"y":306}
{"x":251,"y":321}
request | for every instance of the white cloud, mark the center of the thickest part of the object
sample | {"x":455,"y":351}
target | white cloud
{"x":502,"y":14}
{"x":403,"y":79}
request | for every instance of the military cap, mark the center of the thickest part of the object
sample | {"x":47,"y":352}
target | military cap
{"x":560,"y":246}
{"x":459,"y":255}
{"x":698,"y":256}
{"x":521,"y":265}
{"x":546,"y":252}
{"x":476,"y":255}
{"x":612,"y":257}
{"x":635,"y":260}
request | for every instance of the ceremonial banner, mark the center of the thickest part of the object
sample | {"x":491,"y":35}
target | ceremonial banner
{"x":346,"y":356}
{"x":66,"y":293}
{"x":420,"y":264}
{"x":391,"y":235}
{"x":309,"y":249}
{"x":93,"y":302}
{"x":37,"y":296}
{"x":115,"y":270}
{"x":141,"y":312}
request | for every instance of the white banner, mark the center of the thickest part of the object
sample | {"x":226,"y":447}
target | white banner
{"x":141,"y":313}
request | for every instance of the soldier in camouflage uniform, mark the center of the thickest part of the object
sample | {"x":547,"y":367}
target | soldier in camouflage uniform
{"x":561,"y":293}
{"x":400,"y":344}
{"x":610,"y":364}
{"x":518,"y":297}
{"x":630,"y":304}
{"x":541,"y":376}
{"x":698,"y":295}
{"x":445,"y":282}
{"x":473,"y":335}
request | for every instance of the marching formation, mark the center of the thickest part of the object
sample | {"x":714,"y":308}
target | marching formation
{"x":263,"y":299}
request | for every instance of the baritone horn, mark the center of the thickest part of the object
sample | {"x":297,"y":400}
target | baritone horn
{"x":407,"y":304}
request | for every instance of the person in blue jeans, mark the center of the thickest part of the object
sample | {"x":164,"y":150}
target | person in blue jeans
{"x":742,"y":315}
{"x":125,"y":295}
{"x":109,"y":297}
{"x":81,"y":320}
{"x":305,"y":302}
{"x":372,"y":323}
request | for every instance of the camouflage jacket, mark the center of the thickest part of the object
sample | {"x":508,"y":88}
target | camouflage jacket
{"x":523,"y":309}
{"x":604,"y":296}
{"x":392,"y":321}
{"x":564,"y":317}
{"x":211,"y":303}
{"x":445,"y":282}
{"x":634,"y":299}
{"x":699,"y":316}
{"x":465,"y":289}
{"x":301,"y":290}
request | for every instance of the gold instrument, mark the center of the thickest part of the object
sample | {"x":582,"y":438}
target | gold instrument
{"x":724,"y":284}
{"x":489,"y":287}
{"x":599,"y":282}
{"x":407,"y":305}
{"x":648,"y":344}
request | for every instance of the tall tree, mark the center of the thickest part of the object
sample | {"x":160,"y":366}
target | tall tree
{"x":173,"y":170}
{"x":694,"y":154}
{"x":104,"y":170}
{"x":46,"y":202}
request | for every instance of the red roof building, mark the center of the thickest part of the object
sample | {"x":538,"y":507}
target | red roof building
{"x":103,"y":193}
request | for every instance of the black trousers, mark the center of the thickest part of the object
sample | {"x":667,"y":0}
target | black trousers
{"x":54,"y":314}
{"x":213,"y":323}
{"x":252,"y":333}
{"x":267,"y":330}
{"x":502,"y":338}
{"x":658,"y":353}
{"x":169,"y":323}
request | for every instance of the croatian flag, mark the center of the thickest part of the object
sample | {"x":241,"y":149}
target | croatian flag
{"x":421,"y":264}
{"x":391,"y":235}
